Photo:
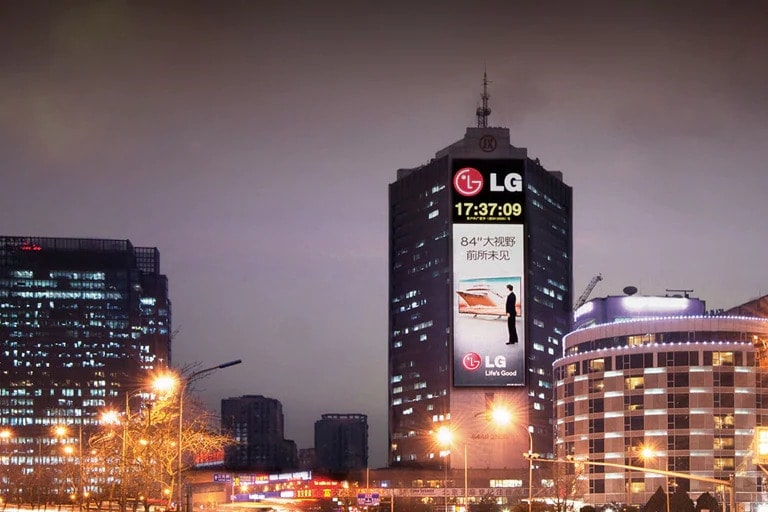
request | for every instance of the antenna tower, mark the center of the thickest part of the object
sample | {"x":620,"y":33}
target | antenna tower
{"x":484,"y":111}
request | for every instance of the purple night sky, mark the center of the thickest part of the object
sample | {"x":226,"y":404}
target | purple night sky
{"x":252,"y":142}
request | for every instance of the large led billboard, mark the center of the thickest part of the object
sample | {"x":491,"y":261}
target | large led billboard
{"x":488,"y":273}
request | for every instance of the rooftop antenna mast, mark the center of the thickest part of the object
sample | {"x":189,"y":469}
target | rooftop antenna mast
{"x":484,"y":111}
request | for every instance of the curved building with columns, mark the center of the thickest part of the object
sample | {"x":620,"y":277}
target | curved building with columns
{"x":662,"y":375}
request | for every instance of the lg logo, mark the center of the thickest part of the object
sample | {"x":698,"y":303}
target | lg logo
{"x":469,"y":182}
{"x":513,"y":182}
{"x":472,"y":361}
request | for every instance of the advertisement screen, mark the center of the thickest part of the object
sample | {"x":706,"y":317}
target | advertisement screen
{"x":488,"y":274}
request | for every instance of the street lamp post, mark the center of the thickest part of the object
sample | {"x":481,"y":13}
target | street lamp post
{"x":502,"y":416}
{"x":646,"y":453}
{"x":183,"y":383}
{"x":530,"y":469}
{"x":666,"y":482}
{"x":78,"y":479}
{"x":445,"y":437}
{"x":123,"y":450}
{"x":445,"y":483}
{"x":466,"y":480}
{"x":81,"y":484}
{"x":630,"y":450}
{"x":124,"y":443}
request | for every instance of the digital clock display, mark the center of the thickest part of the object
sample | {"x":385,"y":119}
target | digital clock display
{"x":471,"y":211}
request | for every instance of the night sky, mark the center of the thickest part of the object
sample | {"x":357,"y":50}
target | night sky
{"x":252,"y":142}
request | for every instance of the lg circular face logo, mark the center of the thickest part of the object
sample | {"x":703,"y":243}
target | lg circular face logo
{"x":468,"y":181}
{"x":471,"y":361}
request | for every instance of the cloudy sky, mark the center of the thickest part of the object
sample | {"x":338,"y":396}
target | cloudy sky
{"x":252,"y":142}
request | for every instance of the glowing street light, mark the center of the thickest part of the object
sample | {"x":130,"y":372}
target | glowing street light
{"x":646,"y":453}
{"x":501,"y":416}
{"x":110,"y":417}
{"x":165,"y":384}
{"x":445,"y":438}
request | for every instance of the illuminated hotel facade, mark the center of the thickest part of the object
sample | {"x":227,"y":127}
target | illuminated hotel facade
{"x":660,"y":374}
{"x":479,"y":216}
{"x":82,"y":322}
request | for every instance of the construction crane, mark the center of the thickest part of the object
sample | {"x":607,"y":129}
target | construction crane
{"x":585,"y":295}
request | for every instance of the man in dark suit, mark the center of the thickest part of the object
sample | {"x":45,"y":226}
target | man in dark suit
{"x":511,"y":315}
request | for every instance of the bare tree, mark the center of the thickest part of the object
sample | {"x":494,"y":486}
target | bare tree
{"x":141,"y":453}
{"x":568,"y":484}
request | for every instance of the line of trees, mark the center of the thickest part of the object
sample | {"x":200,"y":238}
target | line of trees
{"x":130,"y":458}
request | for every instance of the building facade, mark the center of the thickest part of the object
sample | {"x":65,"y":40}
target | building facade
{"x":655,"y":382}
{"x":82,"y":322}
{"x":341,"y":443}
{"x":479,"y":217}
{"x":256,"y":423}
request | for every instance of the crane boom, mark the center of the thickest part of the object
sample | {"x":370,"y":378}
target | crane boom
{"x":584,"y":296}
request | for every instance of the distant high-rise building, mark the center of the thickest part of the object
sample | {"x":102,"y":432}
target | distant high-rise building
{"x":82,"y":321}
{"x":341,"y":442}
{"x":257,"y":425}
{"x":656,"y":382}
{"x":307,"y":459}
{"x":480,"y":217}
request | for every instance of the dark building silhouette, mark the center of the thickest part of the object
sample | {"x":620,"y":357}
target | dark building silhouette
{"x":307,"y":459}
{"x":341,"y":442}
{"x":82,"y":322}
{"x":257,"y":425}
{"x":479,"y":216}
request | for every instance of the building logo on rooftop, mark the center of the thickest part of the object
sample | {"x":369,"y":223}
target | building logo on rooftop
{"x":487,"y":143}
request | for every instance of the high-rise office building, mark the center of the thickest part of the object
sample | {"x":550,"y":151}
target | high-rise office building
{"x":82,"y":321}
{"x":257,"y":425}
{"x":341,"y":442}
{"x":479,"y":218}
{"x":657,"y":383}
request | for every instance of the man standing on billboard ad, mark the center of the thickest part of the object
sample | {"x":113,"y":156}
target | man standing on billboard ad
{"x":511,"y":315}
